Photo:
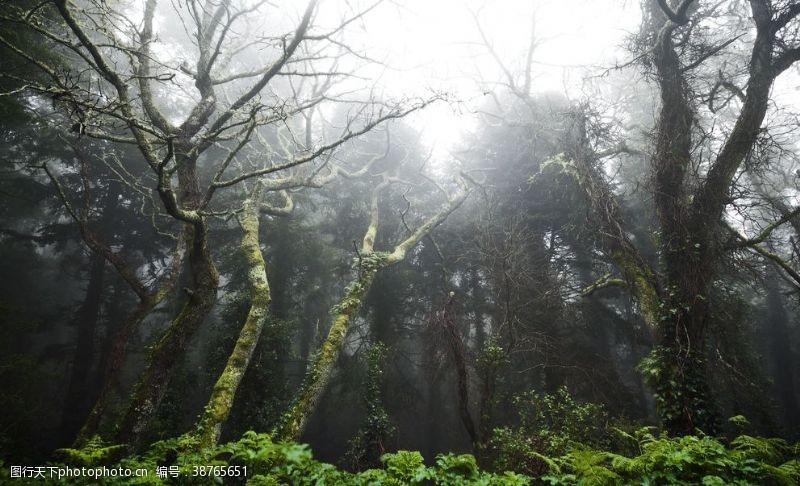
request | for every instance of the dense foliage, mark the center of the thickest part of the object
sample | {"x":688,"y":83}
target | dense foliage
{"x":650,"y":459}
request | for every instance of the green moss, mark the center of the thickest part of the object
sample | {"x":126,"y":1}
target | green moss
{"x":558,"y":164}
{"x":641,"y":280}
{"x":319,"y":371}
{"x":222,"y":396}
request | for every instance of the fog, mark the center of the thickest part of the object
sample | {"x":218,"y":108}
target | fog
{"x":398,"y":241}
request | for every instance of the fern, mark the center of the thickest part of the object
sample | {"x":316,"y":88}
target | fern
{"x":95,"y":452}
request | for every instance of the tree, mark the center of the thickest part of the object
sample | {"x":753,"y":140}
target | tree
{"x":367,"y":264}
{"x":221,"y":401}
{"x":689,"y":214}
{"x":690,"y":193}
{"x":124,"y":99}
{"x":691,"y":65}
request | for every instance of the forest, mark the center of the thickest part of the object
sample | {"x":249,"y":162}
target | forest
{"x":400,"y":242}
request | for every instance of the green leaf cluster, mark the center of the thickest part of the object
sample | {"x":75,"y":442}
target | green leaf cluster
{"x":691,"y":459}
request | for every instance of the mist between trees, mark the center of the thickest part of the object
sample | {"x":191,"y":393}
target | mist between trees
{"x":223,"y":216}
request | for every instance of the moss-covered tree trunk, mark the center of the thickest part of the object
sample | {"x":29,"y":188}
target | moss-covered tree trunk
{"x":219,"y":405}
{"x":368,"y":263}
{"x":169,"y":350}
{"x":676,"y":315}
{"x":320,"y":370}
{"x":690,"y":218}
{"x":607,"y":213}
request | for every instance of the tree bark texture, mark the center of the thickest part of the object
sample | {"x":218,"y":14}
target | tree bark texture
{"x":219,"y":405}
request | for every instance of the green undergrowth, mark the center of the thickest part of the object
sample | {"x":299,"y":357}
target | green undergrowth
{"x":687,"y":460}
{"x":696,"y":459}
{"x":271,"y":463}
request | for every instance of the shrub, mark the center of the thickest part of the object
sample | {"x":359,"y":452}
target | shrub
{"x":549,"y":426}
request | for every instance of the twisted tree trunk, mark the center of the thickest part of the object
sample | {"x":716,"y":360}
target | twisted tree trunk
{"x":219,"y":405}
{"x":690,"y":220}
{"x":167,"y":353}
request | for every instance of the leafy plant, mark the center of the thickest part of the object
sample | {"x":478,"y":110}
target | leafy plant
{"x":95,"y":452}
{"x":549,"y":426}
{"x":367,"y":446}
{"x":683,"y":460}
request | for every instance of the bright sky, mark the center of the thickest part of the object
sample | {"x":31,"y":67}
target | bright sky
{"x":435,"y":44}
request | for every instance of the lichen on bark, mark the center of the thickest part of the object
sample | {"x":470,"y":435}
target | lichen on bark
{"x":219,"y":405}
{"x":322,"y":364}
{"x":367,"y":264}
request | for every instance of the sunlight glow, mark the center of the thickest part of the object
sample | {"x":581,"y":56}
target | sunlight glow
{"x":437,"y":47}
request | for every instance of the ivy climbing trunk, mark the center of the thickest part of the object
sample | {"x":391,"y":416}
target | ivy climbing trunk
{"x":219,"y":405}
{"x":690,"y":217}
{"x":675,"y":315}
{"x":319,"y":372}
